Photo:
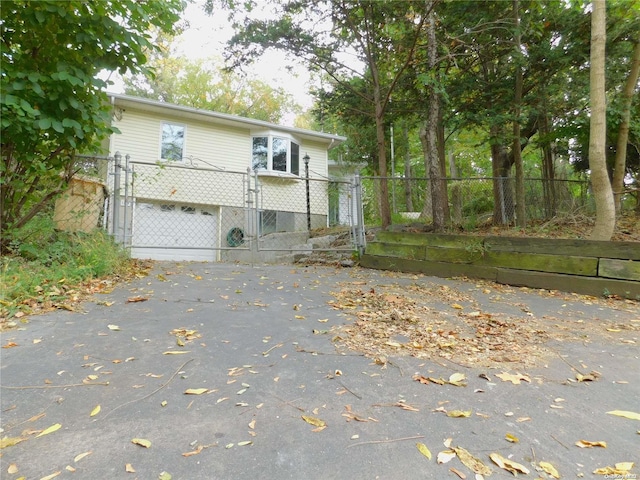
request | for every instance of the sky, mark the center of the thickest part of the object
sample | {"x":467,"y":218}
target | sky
{"x":206,"y":37}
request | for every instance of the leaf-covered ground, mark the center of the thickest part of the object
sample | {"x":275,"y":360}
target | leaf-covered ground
{"x":484,"y":326}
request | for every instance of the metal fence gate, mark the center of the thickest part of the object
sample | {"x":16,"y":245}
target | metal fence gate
{"x":198,"y":212}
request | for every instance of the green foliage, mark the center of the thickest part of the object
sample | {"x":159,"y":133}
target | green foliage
{"x":52,"y":102}
{"x":206,"y":84}
{"x":43,"y":262}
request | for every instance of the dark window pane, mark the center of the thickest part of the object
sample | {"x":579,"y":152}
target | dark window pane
{"x":295,"y":158}
{"x":280,"y":147}
{"x":260,"y":153}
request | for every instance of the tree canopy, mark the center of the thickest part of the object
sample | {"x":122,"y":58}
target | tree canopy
{"x":52,"y":103}
{"x":514,"y":76}
{"x":207,"y":84}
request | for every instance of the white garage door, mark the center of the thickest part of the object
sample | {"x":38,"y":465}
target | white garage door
{"x":170,"y":231}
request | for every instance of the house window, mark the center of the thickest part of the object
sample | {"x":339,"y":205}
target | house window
{"x":172,"y":144}
{"x":279,"y":154}
{"x":260,"y":153}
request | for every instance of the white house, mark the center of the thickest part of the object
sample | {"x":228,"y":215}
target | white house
{"x":195,"y":182}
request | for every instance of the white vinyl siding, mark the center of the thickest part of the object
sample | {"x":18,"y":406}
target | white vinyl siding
{"x":206,"y":145}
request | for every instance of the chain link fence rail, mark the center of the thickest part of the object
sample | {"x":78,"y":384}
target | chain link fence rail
{"x":195,"y":212}
{"x":474,"y":201}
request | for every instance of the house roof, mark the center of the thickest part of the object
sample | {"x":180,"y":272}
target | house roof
{"x":154,"y":106}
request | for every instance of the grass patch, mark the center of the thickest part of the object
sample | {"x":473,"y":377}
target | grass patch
{"x":48,"y":266}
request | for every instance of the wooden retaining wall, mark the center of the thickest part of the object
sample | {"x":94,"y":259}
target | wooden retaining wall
{"x":580,"y":266}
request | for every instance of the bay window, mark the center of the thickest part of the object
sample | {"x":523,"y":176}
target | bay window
{"x":275,"y":153}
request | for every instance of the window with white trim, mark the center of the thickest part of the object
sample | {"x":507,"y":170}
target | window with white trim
{"x":275,"y":153}
{"x":172,"y":142}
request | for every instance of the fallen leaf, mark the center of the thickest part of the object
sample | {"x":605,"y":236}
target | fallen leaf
{"x":458,"y":379}
{"x":10,"y":345}
{"x":69,"y":468}
{"x":95,"y":411}
{"x":550,"y":469}
{"x":513,"y":378}
{"x":129,"y":468}
{"x":136,"y":299}
{"x":196,"y":391}
{"x":625,"y":414}
{"x":471,"y":462}
{"x":424,"y":450}
{"x":621,"y":468}
{"x":511,"y":438}
{"x":115,"y":328}
{"x":459,"y":413}
{"x":13,"y":468}
{"x":142,"y":442}
{"x":81,"y":456}
{"x":508,"y":465}
{"x":245,"y":443}
{"x":164,"y":476}
{"x":589,"y":444}
{"x":175,"y":352}
{"x":458,"y":473}
{"x":10,"y":441}
{"x":445,"y":456}
{"x":49,"y":430}
{"x":53,"y":475}
{"x":316,"y":422}
{"x":194,"y":452}
{"x":589,"y":377}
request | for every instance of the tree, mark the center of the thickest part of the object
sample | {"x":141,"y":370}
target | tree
{"x":381,"y":35}
{"x":429,"y":131}
{"x":623,"y":129}
{"x":52,"y":102}
{"x":605,"y":209}
{"x":208,"y":85}
{"x":521,"y":220}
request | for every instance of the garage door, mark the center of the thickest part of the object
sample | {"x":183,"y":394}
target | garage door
{"x":170,"y":231}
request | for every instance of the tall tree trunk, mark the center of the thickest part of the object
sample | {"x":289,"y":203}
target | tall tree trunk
{"x":503,"y":201}
{"x":429,"y":135}
{"x":442,"y":157}
{"x":548,"y":160}
{"x":623,"y":130}
{"x":385,"y":210}
{"x":605,"y":209}
{"x":521,"y":220}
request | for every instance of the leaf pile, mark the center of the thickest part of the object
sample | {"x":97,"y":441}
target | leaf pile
{"x":430,"y":320}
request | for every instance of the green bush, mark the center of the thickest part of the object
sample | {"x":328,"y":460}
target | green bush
{"x":45,"y":264}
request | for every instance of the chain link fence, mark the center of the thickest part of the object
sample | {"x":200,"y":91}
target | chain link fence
{"x":474,"y":201}
{"x":192,"y":211}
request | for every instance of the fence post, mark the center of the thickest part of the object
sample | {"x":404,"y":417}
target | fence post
{"x":126,"y":235}
{"x":306,"y":159}
{"x":358,"y":215}
{"x":116,"y":195}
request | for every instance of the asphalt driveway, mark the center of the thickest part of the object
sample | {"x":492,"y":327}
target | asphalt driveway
{"x":219,"y":371}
